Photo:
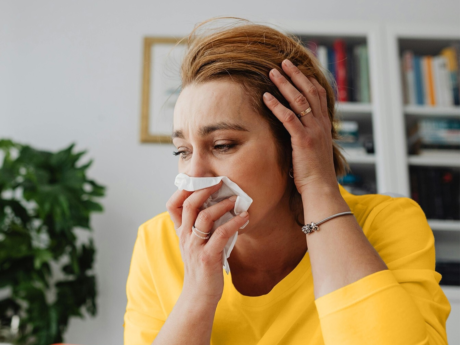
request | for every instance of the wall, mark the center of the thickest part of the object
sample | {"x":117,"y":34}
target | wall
{"x":70,"y":71}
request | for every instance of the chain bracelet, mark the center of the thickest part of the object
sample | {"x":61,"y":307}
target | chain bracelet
{"x":309,"y":228}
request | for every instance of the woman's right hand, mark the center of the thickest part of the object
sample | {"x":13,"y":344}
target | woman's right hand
{"x":203,"y":276}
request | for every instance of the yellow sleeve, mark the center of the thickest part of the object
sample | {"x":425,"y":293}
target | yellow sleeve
{"x":144,"y":316}
{"x":403,"y":305}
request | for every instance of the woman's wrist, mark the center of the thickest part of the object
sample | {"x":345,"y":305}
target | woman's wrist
{"x":190,"y":321}
{"x":321,"y":201}
{"x":198,"y":302}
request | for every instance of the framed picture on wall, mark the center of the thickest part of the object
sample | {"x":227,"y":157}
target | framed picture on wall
{"x":160,"y":87}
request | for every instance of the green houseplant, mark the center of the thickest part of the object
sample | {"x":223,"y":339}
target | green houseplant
{"x":45,"y":268}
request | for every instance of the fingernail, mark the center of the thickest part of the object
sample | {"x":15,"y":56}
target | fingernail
{"x":233,"y":198}
{"x":275,"y":73}
{"x":244,"y":214}
{"x":288,"y":63}
{"x":267,"y":96}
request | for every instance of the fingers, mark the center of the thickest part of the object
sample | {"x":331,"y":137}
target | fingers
{"x":304,"y":85}
{"x":285,"y":115}
{"x":174,"y":206}
{"x":322,"y":96}
{"x":296,"y":99}
{"x":222,"y":234}
{"x":192,"y":205}
{"x":206,"y":218}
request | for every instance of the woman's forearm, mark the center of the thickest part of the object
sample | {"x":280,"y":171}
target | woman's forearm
{"x":340,"y":252}
{"x":190,"y":322}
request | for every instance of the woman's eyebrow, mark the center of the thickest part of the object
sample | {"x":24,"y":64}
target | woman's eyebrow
{"x":206,"y":130}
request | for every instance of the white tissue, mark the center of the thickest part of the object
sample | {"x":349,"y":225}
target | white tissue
{"x":228,"y":188}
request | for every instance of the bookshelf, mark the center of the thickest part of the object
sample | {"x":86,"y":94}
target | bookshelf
{"x":370,"y":115}
{"x":350,"y":108}
{"x":387,"y":117}
{"x":422,"y":40}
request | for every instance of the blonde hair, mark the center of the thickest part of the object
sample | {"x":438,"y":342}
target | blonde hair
{"x":245,"y":52}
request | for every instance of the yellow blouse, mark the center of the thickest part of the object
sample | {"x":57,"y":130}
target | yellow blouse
{"x":402,"y":305}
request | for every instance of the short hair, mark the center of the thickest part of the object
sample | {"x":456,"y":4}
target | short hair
{"x":245,"y":53}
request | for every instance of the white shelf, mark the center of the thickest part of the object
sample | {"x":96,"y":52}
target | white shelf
{"x":441,"y":160}
{"x":444,"y":225}
{"x":359,"y":159}
{"x":424,"y":40}
{"x":419,"y":110}
{"x":452,"y":292}
{"x":354,"y":108}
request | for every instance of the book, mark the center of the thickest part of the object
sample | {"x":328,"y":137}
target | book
{"x":364,"y":74}
{"x":341,"y":70}
{"x":322,"y":56}
{"x":434,"y":134}
{"x":356,"y":184}
{"x":409,"y":76}
{"x":331,"y":62}
{"x":431,"y":80}
{"x":437,"y":83}
{"x":437,"y":191}
{"x":418,"y":80}
{"x":357,"y":76}
{"x":346,"y":67}
{"x":349,"y":139}
{"x":450,"y":55}
{"x":447,"y":183}
{"x":348,"y":131}
{"x":413,"y":180}
{"x":442,"y":81}
{"x":351,"y":70}
{"x":446,"y":82}
{"x":428,"y":80}
{"x":456,"y":47}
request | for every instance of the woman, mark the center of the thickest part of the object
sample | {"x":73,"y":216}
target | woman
{"x":255,"y":107}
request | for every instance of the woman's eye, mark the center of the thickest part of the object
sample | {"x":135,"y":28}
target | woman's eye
{"x":183,"y":154}
{"x":224,"y":147}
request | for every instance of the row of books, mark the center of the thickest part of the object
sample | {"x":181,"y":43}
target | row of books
{"x":432,"y":80}
{"x":351,"y":141}
{"x":437,"y":191}
{"x":450,"y":271}
{"x":434,"y":134}
{"x":349,"y":66}
{"x":356,"y":184}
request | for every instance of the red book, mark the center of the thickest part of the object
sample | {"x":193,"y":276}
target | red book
{"x":341,"y":69}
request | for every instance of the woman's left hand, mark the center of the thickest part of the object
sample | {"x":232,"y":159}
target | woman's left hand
{"x":311,"y":138}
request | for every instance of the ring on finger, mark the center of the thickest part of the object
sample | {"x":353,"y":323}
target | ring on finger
{"x":201,"y":232}
{"x":195,"y":231}
{"x":305,"y":112}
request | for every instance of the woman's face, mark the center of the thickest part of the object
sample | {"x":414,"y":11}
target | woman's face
{"x":218,"y":134}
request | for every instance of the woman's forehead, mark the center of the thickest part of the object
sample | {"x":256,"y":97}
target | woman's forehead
{"x":211,"y":103}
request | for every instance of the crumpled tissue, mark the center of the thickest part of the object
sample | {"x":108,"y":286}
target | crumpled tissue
{"x":228,"y":188}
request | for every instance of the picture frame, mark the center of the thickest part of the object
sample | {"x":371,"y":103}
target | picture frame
{"x":160,"y":87}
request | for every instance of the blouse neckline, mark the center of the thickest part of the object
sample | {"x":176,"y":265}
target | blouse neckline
{"x":289,"y":283}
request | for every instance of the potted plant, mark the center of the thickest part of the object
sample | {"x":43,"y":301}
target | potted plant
{"x":46,"y":274}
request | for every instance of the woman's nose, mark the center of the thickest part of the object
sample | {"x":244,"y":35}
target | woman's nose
{"x":199,"y":166}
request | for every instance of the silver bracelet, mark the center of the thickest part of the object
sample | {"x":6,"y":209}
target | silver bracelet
{"x":309,"y":228}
